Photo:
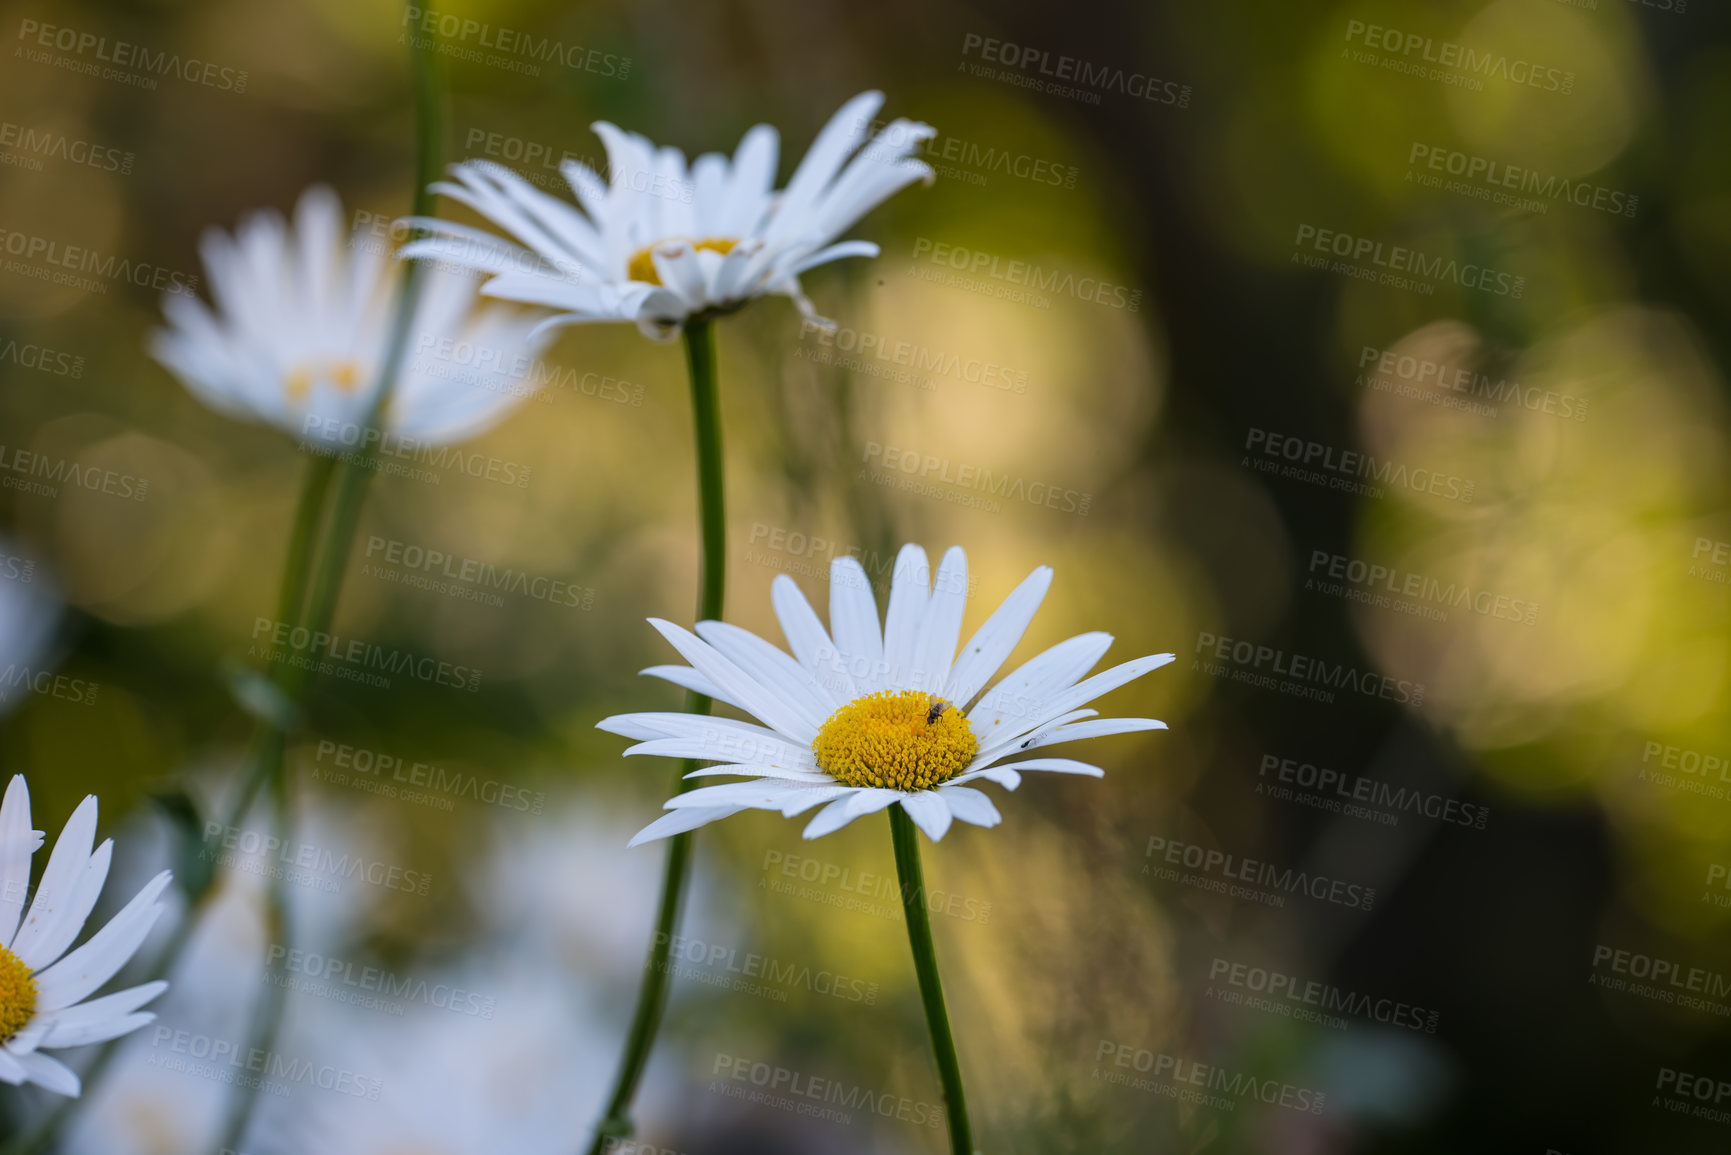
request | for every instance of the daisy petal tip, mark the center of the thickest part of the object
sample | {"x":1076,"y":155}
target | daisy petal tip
{"x":641,"y":837}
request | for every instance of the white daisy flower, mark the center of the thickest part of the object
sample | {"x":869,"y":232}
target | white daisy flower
{"x":663,"y":243}
{"x":302,"y":323}
{"x":857,"y":720}
{"x":43,"y":988}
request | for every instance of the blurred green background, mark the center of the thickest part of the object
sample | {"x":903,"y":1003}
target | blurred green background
{"x":1200,"y":160}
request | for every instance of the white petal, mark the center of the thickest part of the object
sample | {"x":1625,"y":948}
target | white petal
{"x":100,"y":1019}
{"x":11,"y":1070}
{"x":1093,"y":728}
{"x":833,"y":253}
{"x":1022,"y":698}
{"x":109,"y":949}
{"x":17,"y":843}
{"x":690,"y":679}
{"x":680,"y":821}
{"x":910,"y":588}
{"x":678,"y":267}
{"x":853,"y":622}
{"x":1055,"y":765}
{"x":732,"y":279}
{"x":1004,"y":776}
{"x":994,"y":641}
{"x":830,"y":819}
{"x":816,"y":777}
{"x":757,"y":794}
{"x":707,"y":738}
{"x":749,"y":181}
{"x":790,"y":758}
{"x":772,"y":669}
{"x":815,"y":796}
{"x":55,"y":894}
{"x":929,"y":812}
{"x":109,"y":1028}
{"x":871,"y":799}
{"x":763,"y":703}
{"x":805,"y":634}
{"x":1085,"y":691}
{"x":818,"y":168}
{"x":78,"y":909}
{"x":970,"y":805}
{"x":1008,"y":739}
{"x":30,"y":1035}
{"x":942,"y":627}
{"x":50,"y":1073}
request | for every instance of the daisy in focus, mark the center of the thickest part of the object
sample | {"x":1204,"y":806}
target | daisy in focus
{"x":44,"y":989}
{"x":301,"y":325}
{"x":659,"y":242}
{"x":859,"y":719}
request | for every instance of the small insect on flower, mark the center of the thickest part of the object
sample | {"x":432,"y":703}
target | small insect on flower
{"x":859,"y":719}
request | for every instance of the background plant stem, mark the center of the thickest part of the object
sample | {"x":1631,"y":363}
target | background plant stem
{"x":711,"y":585}
{"x":327,"y":583}
{"x":297,"y":565}
{"x":905,"y":837}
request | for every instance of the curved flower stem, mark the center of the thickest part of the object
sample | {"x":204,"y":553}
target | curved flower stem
{"x":906,"y":840}
{"x":267,"y":1016}
{"x":327,"y":581}
{"x":298,"y":564}
{"x":307,"y":598}
{"x":616,"y":1123}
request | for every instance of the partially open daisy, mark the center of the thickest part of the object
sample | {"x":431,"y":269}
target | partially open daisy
{"x":44,"y":990}
{"x":302,"y":324}
{"x":660,"y":243}
{"x":857,"y":720}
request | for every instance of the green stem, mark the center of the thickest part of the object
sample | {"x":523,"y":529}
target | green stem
{"x":267,"y":1017}
{"x":306,"y":599}
{"x":327,"y":582}
{"x":706,"y":415}
{"x":616,"y":1123}
{"x":297,"y":566}
{"x":905,"y":837}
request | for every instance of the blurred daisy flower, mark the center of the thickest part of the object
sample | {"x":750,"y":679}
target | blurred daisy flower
{"x":43,"y":988}
{"x":662,"y":243}
{"x":857,"y":720}
{"x":531,"y":1074}
{"x":301,"y":325}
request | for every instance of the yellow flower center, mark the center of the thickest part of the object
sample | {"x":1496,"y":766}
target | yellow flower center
{"x":909,"y":740}
{"x":17,"y":994}
{"x":345,"y":375}
{"x":642,"y":264}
